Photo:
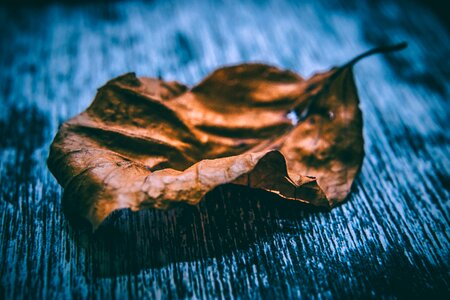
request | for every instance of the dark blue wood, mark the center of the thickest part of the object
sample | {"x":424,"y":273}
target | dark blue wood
{"x":391,"y":239}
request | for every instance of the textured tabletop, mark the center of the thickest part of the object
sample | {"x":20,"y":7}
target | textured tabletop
{"x":390,"y":239}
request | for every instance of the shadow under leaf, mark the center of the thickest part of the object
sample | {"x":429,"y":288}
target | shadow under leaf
{"x":230,"y":218}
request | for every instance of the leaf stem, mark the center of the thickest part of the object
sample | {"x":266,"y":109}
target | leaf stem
{"x":382,"y":49}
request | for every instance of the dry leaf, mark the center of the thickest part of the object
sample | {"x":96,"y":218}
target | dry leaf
{"x":145,"y":143}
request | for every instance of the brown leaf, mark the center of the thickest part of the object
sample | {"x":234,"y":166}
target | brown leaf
{"x":145,"y":143}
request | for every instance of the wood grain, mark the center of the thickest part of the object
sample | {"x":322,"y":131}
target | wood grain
{"x":391,"y":239}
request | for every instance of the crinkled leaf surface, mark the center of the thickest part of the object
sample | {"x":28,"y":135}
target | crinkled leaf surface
{"x":145,"y":142}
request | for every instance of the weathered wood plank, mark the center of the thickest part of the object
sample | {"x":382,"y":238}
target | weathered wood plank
{"x":391,"y":239}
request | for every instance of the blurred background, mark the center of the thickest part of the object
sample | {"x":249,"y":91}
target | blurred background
{"x":391,"y":239}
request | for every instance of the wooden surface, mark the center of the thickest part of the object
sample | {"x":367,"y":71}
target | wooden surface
{"x":391,"y":239}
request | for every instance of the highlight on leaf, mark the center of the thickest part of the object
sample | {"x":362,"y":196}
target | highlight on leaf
{"x":144,"y":142}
